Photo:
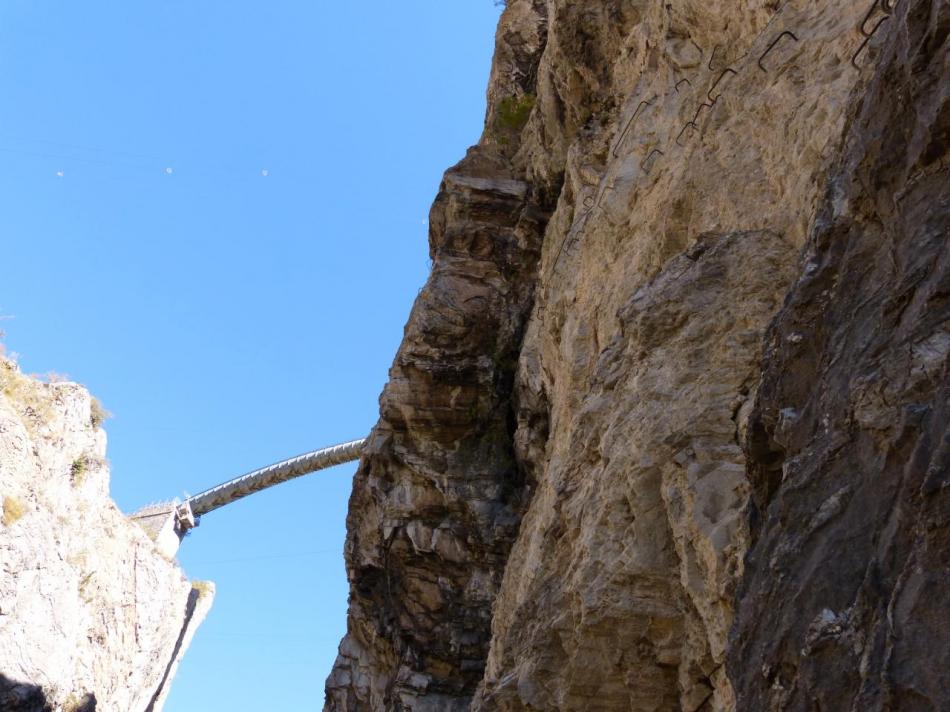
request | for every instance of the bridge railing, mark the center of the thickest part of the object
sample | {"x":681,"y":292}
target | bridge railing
{"x":271,"y":475}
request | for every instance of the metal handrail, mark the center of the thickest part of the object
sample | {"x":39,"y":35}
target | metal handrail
{"x":265,"y":477}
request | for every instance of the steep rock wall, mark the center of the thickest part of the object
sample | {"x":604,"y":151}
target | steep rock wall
{"x":675,"y":238}
{"x":92,"y":616}
{"x":683,"y":159}
{"x":436,"y":499}
{"x":845,"y":600}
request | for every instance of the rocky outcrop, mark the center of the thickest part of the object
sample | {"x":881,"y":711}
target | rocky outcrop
{"x":710,"y":371}
{"x":92,"y":615}
{"x":437,"y":497}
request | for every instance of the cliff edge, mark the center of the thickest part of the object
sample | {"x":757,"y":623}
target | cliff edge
{"x":92,"y":615}
{"x":668,"y":428}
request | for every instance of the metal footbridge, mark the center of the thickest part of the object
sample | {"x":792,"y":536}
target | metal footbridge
{"x":161,"y":520}
{"x":279,"y":472}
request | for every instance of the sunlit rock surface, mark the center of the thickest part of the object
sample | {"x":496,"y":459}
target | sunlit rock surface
{"x":92,"y":615}
{"x":668,"y":427}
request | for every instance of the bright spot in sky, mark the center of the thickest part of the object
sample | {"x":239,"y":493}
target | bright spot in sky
{"x":169,"y":171}
{"x":60,"y":174}
{"x":265,"y":172}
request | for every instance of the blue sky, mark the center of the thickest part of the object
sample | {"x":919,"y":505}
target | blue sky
{"x":229,"y":318}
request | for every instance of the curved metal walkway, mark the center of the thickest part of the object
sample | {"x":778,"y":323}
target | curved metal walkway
{"x":265,"y":477}
{"x":166,"y":523}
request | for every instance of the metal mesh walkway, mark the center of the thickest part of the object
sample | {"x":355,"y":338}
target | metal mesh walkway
{"x":271,"y":475}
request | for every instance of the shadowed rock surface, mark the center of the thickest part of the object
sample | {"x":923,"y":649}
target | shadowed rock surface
{"x":437,"y":498}
{"x":844,"y":603}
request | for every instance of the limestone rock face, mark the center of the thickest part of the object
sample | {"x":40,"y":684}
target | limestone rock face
{"x":92,"y":616}
{"x":619,"y":588}
{"x":845,"y":599}
{"x":668,"y":427}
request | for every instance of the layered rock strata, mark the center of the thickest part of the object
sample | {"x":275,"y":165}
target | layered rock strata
{"x":710,"y":370}
{"x":438,"y":494}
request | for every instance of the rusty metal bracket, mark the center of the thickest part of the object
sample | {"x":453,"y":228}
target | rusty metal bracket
{"x":683,"y":130}
{"x":871,"y":12}
{"x":784,"y":33}
{"x":857,"y":52}
{"x":654,"y":152}
{"x":633,"y":118}
{"x":603,"y":194}
{"x":684,"y":80}
{"x":726,"y":71}
{"x":699,"y":110}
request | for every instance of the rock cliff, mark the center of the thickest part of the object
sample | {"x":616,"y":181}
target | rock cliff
{"x":92,"y":615}
{"x":668,"y":429}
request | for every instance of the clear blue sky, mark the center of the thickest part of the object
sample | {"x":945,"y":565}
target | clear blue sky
{"x":230,"y":319}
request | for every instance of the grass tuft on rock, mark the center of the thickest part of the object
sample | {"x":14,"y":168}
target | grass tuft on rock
{"x":511,"y":115}
{"x":204,"y":588}
{"x":77,"y":471}
{"x":13,"y":510}
{"x":97,"y":414}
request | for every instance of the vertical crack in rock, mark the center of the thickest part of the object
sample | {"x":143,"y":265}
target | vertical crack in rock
{"x":668,"y":428}
{"x":845,"y":599}
{"x":584,"y":433}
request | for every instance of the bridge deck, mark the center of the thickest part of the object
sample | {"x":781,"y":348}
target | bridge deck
{"x":271,"y":475}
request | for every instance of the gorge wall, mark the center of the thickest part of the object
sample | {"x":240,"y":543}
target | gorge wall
{"x":92,"y":615}
{"x":668,"y":429}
